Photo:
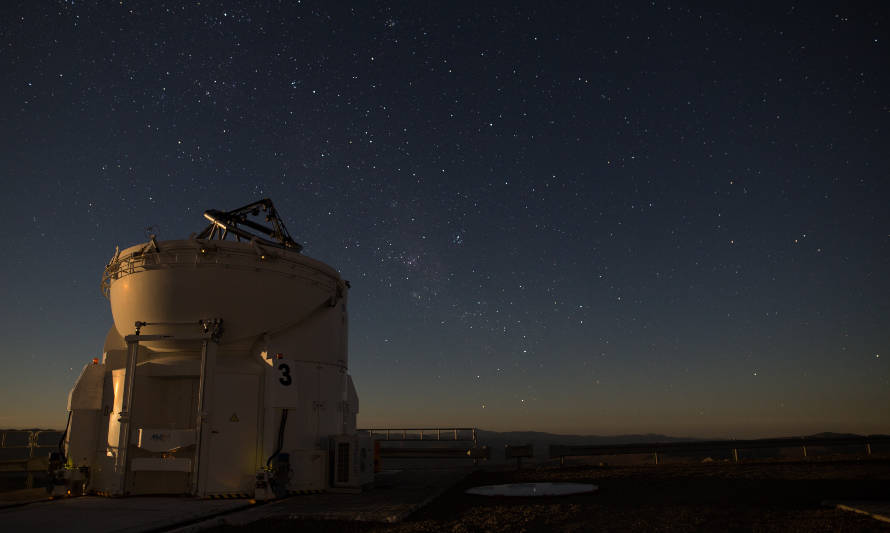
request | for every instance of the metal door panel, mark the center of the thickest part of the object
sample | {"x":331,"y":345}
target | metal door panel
{"x":233,"y":424}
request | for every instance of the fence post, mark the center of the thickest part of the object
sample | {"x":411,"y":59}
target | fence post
{"x":656,"y":457}
{"x":378,"y":463}
{"x":735,"y":454}
{"x":868,"y":448}
{"x":32,"y":443}
{"x":804,"y":451}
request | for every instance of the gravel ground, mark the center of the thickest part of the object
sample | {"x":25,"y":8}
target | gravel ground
{"x":764,"y":496}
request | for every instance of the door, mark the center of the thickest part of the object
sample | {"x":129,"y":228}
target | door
{"x":233,"y":434}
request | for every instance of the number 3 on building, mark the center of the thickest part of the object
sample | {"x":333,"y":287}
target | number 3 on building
{"x":285,"y":378}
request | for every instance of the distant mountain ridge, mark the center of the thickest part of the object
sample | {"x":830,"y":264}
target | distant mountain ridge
{"x":541,"y":441}
{"x":527,"y":437}
{"x":516,"y":437}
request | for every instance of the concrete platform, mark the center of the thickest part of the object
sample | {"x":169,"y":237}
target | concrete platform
{"x":15,"y":498}
{"x":93,"y":514}
{"x":396,"y":495}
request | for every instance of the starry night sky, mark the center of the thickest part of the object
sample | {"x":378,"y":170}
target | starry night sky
{"x":566,"y":217}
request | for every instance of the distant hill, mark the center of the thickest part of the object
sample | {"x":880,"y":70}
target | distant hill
{"x":541,"y":441}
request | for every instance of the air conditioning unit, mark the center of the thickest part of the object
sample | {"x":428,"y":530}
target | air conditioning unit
{"x":352,"y":461}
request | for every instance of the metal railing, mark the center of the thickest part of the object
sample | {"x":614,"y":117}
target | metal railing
{"x":27,"y":451}
{"x":419,"y":434}
{"x":437,"y":443}
{"x":30,"y":440}
{"x":137,"y":262}
{"x":201,"y":253}
{"x":657,"y":448}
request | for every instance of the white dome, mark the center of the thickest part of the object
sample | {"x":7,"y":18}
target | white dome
{"x":253,"y":289}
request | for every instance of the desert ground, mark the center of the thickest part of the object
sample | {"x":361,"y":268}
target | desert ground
{"x":767,"y":495}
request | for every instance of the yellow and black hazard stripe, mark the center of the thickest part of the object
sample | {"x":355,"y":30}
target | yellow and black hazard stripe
{"x":229,"y":495}
{"x":305,"y":491}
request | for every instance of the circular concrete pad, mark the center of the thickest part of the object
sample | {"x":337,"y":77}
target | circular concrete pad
{"x":532,"y":489}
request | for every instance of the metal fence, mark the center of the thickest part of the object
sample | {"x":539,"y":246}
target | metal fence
{"x":732,"y":446}
{"x":437,"y":443}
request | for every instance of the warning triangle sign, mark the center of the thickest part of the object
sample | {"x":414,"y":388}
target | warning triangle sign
{"x":234,"y":417}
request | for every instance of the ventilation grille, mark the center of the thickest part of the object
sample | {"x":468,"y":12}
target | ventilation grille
{"x":342,"y":462}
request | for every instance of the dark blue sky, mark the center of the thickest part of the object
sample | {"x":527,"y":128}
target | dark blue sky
{"x":574,"y":217}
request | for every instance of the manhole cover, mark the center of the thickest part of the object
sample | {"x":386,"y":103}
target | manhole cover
{"x":532,"y":489}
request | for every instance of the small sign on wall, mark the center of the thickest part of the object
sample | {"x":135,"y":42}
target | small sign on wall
{"x":281,"y":383}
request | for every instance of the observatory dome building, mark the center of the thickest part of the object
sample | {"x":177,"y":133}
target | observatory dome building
{"x":225,"y":372}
